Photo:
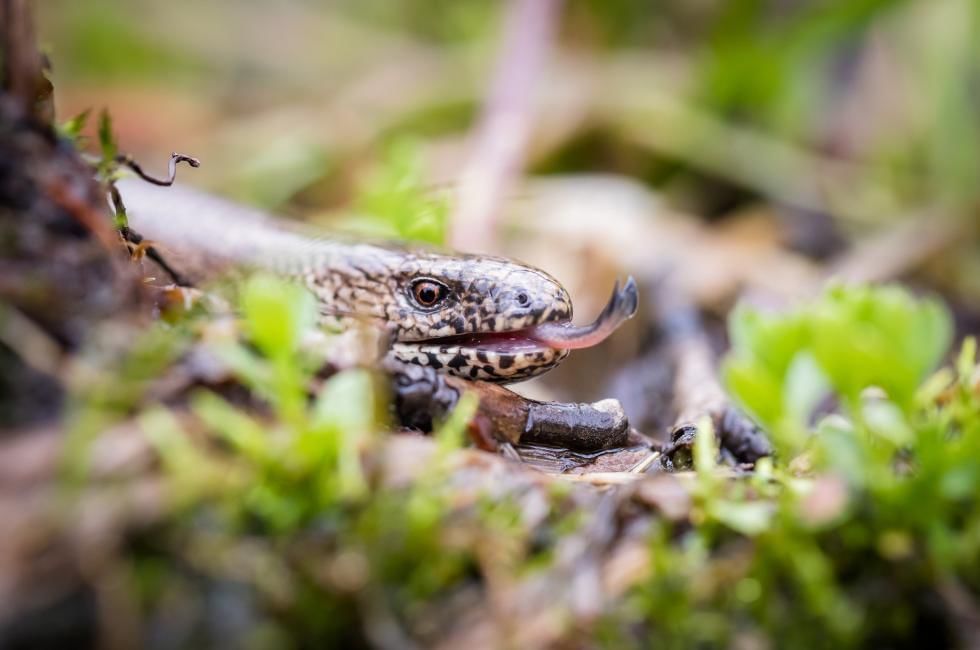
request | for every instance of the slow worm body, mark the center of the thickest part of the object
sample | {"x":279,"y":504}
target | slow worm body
{"x":476,"y":317}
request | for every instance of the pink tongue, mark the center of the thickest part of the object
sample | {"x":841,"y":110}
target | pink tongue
{"x":621,"y":307}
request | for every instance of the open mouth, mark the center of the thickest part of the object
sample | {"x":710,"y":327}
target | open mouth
{"x":553,"y":335}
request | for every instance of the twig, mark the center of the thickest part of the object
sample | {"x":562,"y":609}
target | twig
{"x":127,"y":160}
{"x":132,"y":237}
{"x":501,"y":137}
{"x":645,"y":464}
{"x":136,"y":239}
{"x":697,"y":389}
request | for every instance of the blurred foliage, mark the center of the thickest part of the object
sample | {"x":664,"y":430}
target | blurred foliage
{"x":438,"y":20}
{"x":777,"y":67}
{"x":864,"y":525}
{"x":884,"y":521}
{"x":883,"y":85}
{"x":783,"y":365}
{"x":72,"y":129}
{"x":282,"y":167}
{"x":109,"y":41}
{"x":393,"y":203}
{"x":269,"y":487}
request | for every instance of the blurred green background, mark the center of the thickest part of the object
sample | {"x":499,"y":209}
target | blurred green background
{"x":862,"y":109}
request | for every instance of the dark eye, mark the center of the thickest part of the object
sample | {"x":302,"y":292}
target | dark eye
{"x":523,"y":299}
{"x":428,"y":293}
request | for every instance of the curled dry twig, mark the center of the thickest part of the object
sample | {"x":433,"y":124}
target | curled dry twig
{"x":130,"y":236}
{"x":128,"y":161}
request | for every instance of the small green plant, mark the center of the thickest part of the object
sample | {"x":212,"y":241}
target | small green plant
{"x":864,"y":525}
{"x":866,"y":514}
{"x":394,"y":204}
{"x":852,"y":339}
{"x":72,"y":129}
{"x":296,"y":484}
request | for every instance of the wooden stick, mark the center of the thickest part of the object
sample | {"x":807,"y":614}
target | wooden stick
{"x":499,"y":145}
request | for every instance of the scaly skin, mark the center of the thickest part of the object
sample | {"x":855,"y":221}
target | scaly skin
{"x":363,"y":282}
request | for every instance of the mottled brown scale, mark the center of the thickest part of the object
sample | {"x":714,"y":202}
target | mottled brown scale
{"x":202,"y":234}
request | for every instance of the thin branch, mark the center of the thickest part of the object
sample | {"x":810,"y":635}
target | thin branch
{"x":498,"y":148}
{"x":697,"y":386}
{"x":140,"y":245}
{"x":122,"y":221}
{"x":132,"y":237}
{"x":175,"y":158}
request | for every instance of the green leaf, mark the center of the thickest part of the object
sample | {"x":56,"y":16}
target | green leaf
{"x":771,"y":339}
{"x":345,"y":417}
{"x":451,"y":434}
{"x":967,"y":359}
{"x":746,"y":517}
{"x":705,"y":448}
{"x":347,"y":403}
{"x":394,"y":203}
{"x":107,"y":141}
{"x":960,"y":482}
{"x":849,"y":339}
{"x":73,"y":128}
{"x":841,"y":449}
{"x":244,"y":433}
{"x":277,"y":313}
{"x":887,"y":421}
{"x":804,"y":387}
{"x":878,"y":336}
{"x":756,"y":390}
{"x":192,"y":474}
{"x":765,"y":372}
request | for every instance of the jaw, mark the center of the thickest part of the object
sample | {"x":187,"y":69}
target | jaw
{"x":521,"y":353}
{"x":500,"y":358}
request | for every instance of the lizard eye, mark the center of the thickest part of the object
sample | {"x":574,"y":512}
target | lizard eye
{"x":428,"y":293}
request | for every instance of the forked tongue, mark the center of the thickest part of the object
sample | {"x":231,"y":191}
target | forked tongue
{"x":565,"y":336}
